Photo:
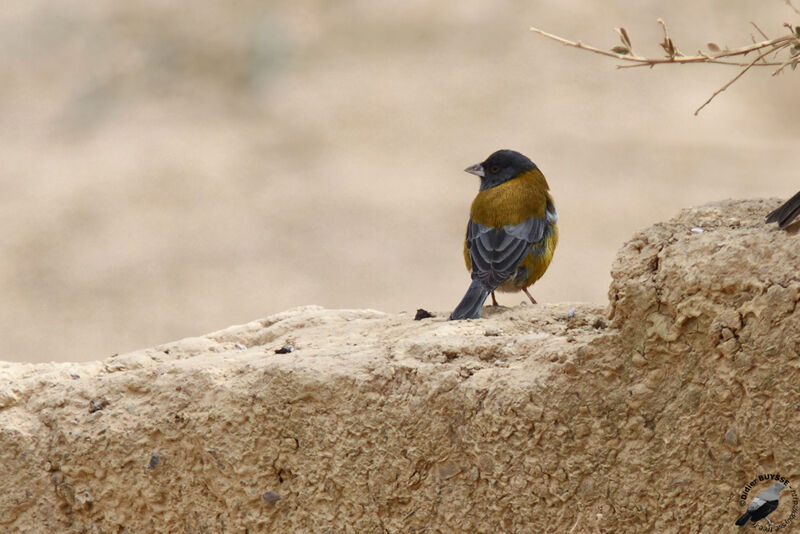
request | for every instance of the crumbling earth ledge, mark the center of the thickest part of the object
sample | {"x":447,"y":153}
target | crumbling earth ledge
{"x":647,"y":416}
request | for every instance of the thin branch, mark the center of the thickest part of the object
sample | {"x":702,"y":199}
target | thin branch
{"x":696,"y":59}
{"x":764,"y":35}
{"x":721,"y":89}
{"x":703,"y":58}
{"x":625,"y":53}
{"x":578,"y":44}
{"x":793,"y":61}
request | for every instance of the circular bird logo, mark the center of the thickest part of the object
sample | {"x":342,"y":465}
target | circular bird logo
{"x":773,"y":489}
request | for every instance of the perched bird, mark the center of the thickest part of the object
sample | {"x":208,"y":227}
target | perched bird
{"x":762,"y":505}
{"x":511,"y":233}
{"x":786,"y":213}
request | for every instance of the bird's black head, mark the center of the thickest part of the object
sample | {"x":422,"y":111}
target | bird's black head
{"x":500,"y":167}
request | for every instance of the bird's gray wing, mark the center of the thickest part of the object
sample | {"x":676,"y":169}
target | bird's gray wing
{"x":755,"y":504}
{"x":496,"y":253}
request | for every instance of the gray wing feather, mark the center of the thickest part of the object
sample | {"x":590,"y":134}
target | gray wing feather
{"x":756,"y":504}
{"x":496,"y":253}
{"x":531,"y":230}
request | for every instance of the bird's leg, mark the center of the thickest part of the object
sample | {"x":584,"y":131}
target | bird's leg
{"x":494,"y":300}
{"x":769,"y":523}
{"x":533,"y":300}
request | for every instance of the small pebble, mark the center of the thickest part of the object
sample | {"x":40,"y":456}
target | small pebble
{"x":286,"y":349}
{"x":95,"y":405}
{"x":697,"y":230}
{"x":271,"y":497}
{"x":422,"y":314}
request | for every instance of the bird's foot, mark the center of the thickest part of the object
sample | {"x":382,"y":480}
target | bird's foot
{"x":533,"y":300}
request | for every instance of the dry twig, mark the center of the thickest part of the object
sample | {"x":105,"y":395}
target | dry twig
{"x":789,"y":43}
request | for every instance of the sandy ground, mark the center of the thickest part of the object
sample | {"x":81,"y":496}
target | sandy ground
{"x":168,"y":171}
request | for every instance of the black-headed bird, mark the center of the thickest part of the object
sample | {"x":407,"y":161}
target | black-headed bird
{"x":511,"y":233}
{"x":762,"y":504}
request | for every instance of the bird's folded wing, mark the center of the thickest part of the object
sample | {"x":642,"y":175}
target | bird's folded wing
{"x":496,"y":253}
{"x":757,"y":503}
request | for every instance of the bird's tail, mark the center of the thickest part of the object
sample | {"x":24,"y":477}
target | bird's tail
{"x":786,"y":212}
{"x":471,"y":305}
{"x":742,"y":520}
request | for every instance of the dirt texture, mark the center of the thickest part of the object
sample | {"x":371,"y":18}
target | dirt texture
{"x":648,"y":416}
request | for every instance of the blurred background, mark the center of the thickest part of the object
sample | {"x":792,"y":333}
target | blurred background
{"x":172,"y":168}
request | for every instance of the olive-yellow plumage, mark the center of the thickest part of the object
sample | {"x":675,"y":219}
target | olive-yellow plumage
{"x":511,"y":203}
{"x":522,"y":197}
{"x":512,"y":231}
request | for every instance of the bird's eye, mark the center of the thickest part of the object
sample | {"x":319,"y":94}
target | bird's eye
{"x":495,"y":169}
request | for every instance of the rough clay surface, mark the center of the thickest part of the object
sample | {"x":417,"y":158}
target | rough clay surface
{"x":648,"y":416}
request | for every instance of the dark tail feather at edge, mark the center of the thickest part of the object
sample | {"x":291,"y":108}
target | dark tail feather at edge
{"x":471,"y":305}
{"x":786,"y":212}
{"x":742,"y":520}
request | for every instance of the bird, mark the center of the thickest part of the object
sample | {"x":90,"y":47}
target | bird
{"x":762,"y":505}
{"x":512,"y":230}
{"x":786,"y":213}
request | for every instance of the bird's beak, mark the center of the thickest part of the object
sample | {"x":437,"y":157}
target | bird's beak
{"x":476,"y":169}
